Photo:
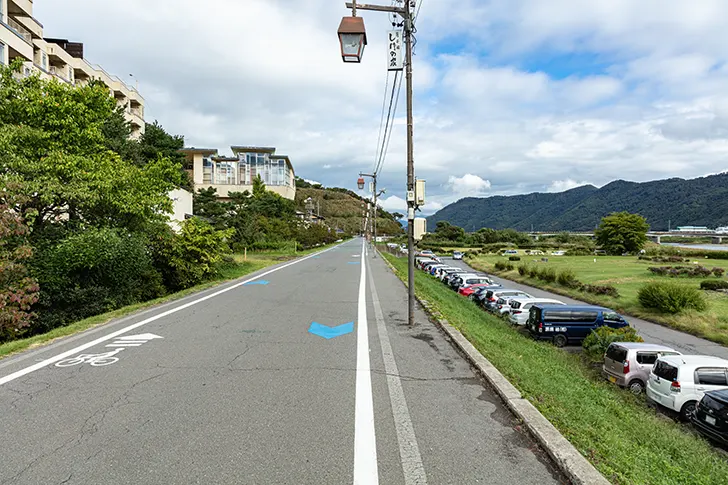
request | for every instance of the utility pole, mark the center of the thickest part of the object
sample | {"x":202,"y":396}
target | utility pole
{"x":350,"y":27}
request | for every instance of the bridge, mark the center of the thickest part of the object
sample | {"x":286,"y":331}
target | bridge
{"x":655,"y":236}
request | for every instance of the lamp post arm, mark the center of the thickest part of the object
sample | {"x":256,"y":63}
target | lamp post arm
{"x":376,"y":8}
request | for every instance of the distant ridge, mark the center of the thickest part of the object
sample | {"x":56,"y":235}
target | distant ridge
{"x":700,"y":202}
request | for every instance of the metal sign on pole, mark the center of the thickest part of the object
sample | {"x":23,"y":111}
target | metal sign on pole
{"x":395,"y":59}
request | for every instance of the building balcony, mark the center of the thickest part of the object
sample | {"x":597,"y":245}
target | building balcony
{"x":60,"y":72}
{"x":31,"y":25}
{"x":17,"y":44}
{"x":22,"y":31}
{"x":224,"y":190}
{"x":21,"y":7}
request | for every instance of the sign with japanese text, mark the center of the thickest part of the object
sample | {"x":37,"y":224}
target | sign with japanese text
{"x":395,"y":58}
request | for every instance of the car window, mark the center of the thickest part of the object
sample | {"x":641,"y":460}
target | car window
{"x":617,"y":353}
{"x":646,"y":358}
{"x":665,"y":371}
{"x":557,"y":316}
{"x":711,"y":377}
{"x":516,"y":304}
{"x":612,"y":317}
{"x":583,"y":316}
{"x":526,"y":306}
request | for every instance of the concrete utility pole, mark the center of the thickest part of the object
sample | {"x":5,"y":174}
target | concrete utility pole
{"x":350,"y":27}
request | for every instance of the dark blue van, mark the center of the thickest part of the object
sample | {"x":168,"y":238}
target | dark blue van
{"x":570,"y":324}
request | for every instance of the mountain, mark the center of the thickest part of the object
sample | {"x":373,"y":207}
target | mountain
{"x":671,"y":202}
{"x":342,"y":209}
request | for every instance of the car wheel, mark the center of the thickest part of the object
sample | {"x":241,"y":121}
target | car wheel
{"x":636,"y":387}
{"x":560,"y":340}
{"x":688,"y":410}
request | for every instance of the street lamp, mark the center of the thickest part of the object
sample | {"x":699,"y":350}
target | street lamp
{"x":352,"y":36}
{"x":360,"y":183}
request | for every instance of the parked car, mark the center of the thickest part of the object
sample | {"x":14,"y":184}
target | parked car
{"x":461,"y":279}
{"x":439,"y":272}
{"x":711,"y":416}
{"x":468,"y":290}
{"x":678,"y":382}
{"x":510,"y":252}
{"x":448,"y":278}
{"x":570,"y":324}
{"x":468,"y":281}
{"x":491,"y":297}
{"x":520,"y":306}
{"x":558,"y":253}
{"x":628,"y":364}
{"x":457,"y":255}
{"x":445,"y":272}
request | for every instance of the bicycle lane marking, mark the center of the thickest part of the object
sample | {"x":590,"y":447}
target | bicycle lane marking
{"x":113,"y":335}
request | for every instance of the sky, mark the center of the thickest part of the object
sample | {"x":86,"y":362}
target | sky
{"x":511,"y":96}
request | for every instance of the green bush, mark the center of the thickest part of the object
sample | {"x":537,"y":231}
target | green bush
{"x":596,"y":343}
{"x":714,"y":285}
{"x":607,"y":290}
{"x":514,"y":258}
{"x":671,"y":297}
{"x":504,"y":266}
{"x":522,"y":269}
{"x":533,"y":271}
{"x":547,"y":274}
{"x":192,"y":255}
{"x":567,"y":278}
{"x":93,"y":272}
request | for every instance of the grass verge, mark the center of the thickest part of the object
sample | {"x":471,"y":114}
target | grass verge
{"x":255,"y":261}
{"x":627,"y":274}
{"x":625,"y":440}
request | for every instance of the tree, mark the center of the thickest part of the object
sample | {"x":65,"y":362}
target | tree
{"x":622,"y":232}
{"x":397,"y":216}
{"x":446,"y":231}
{"x":156,"y":143}
{"x":208,"y":206}
{"x":54,"y":153}
{"x":18,"y":291}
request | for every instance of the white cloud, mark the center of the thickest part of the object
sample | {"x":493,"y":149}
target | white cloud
{"x":393,"y":204}
{"x":312,"y":182}
{"x":564,"y":185}
{"x":468,"y":184}
{"x":646,"y":97}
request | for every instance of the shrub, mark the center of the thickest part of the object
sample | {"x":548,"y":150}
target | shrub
{"x":533,"y":272}
{"x":714,"y":285}
{"x":579,"y":252}
{"x":671,"y":298}
{"x":606,"y":290}
{"x":93,"y":272}
{"x":547,"y":274}
{"x":567,"y":278}
{"x":514,"y":258}
{"x":596,"y":343}
{"x":719,"y":272}
{"x":695,"y":271}
{"x":522,"y":269}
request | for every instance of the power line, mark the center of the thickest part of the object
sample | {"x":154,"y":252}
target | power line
{"x":391,"y":126}
{"x":381,"y":122}
{"x":389,"y":123}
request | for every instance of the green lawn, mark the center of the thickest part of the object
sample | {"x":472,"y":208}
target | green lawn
{"x":627,"y":274}
{"x":625,"y":440}
{"x":254,"y":262}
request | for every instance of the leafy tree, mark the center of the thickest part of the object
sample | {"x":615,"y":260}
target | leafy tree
{"x":156,"y":143}
{"x":446,"y":231}
{"x":207,"y":205}
{"x":397,"y":216}
{"x":18,"y":291}
{"x":117,"y":131}
{"x":54,"y":152}
{"x":622,"y":232}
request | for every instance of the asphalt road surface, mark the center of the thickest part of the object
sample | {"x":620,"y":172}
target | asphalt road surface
{"x":238,"y":385}
{"x":651,"y":332}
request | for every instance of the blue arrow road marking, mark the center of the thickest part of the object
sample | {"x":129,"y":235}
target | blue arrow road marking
{"x":330,"y":332}
{"x":258,"y":282}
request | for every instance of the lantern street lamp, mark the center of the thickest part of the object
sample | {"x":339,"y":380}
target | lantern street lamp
{"x":352,"y":36}
{"x":360,"y":183}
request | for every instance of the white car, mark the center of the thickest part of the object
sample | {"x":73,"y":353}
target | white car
{"x":457,"y":255}
{"x":492,"y":303}
{"x":678,"y":382}
{"x":520,"y":308}
{"x":558,"y":253}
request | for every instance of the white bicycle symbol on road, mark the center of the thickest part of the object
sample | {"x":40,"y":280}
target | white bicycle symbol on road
{"x":95,"y":360}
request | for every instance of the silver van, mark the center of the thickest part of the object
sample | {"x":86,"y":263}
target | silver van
{"x":628,"y":364}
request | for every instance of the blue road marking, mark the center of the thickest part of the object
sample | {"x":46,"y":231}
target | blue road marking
{"x":353,"y":262}
{"x":257,"y":282}
{"x":330,"y":332}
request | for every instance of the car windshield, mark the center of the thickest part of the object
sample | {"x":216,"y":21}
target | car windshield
{"x":665,"y":371}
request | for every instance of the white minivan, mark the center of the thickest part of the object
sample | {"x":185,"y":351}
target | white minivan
{"x":678,"y":382}
{"x":520,"y":308}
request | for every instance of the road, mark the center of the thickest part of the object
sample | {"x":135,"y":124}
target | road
{"x":651,"y":332}
{"x":231,"y":386}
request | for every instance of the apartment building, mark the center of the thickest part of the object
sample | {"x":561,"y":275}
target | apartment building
{"x":21,"y":36}
{"x":236,"y":174}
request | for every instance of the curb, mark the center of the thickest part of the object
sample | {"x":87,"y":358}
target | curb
{"x":566,"y":457}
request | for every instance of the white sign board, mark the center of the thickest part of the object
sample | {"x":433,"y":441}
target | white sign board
{"x":395,"y":58}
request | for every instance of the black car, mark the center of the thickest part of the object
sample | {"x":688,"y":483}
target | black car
{"x":711,"y":416}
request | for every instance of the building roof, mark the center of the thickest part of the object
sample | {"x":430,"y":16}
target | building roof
{"x":226,"y":159}
{"x":237,"y":149}
{"x":204,"y":151}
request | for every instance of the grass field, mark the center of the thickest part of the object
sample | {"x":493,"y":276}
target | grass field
{"x":627,"y":274}
{"x":625,"y":440}
{"x":254,"y":262}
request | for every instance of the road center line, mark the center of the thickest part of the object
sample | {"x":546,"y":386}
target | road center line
{"x":365,"y":441}
{"x":409,"y":451}
{"x":113,"y":335}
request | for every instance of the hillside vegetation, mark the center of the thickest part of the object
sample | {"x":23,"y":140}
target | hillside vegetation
{"x":342,"y":209}
{"x":701,"y":202}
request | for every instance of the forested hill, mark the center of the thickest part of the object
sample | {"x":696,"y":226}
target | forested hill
{"x":342,"y":208}
{"x":698,"y":202}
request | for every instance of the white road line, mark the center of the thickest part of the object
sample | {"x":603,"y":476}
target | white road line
{"x":365,"y":441}
{"x":124,"y":345}
{"x":409,"y":451}
{"x":113,"y":335}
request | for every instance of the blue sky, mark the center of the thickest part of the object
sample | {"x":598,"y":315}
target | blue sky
{"x":511,"y":96}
